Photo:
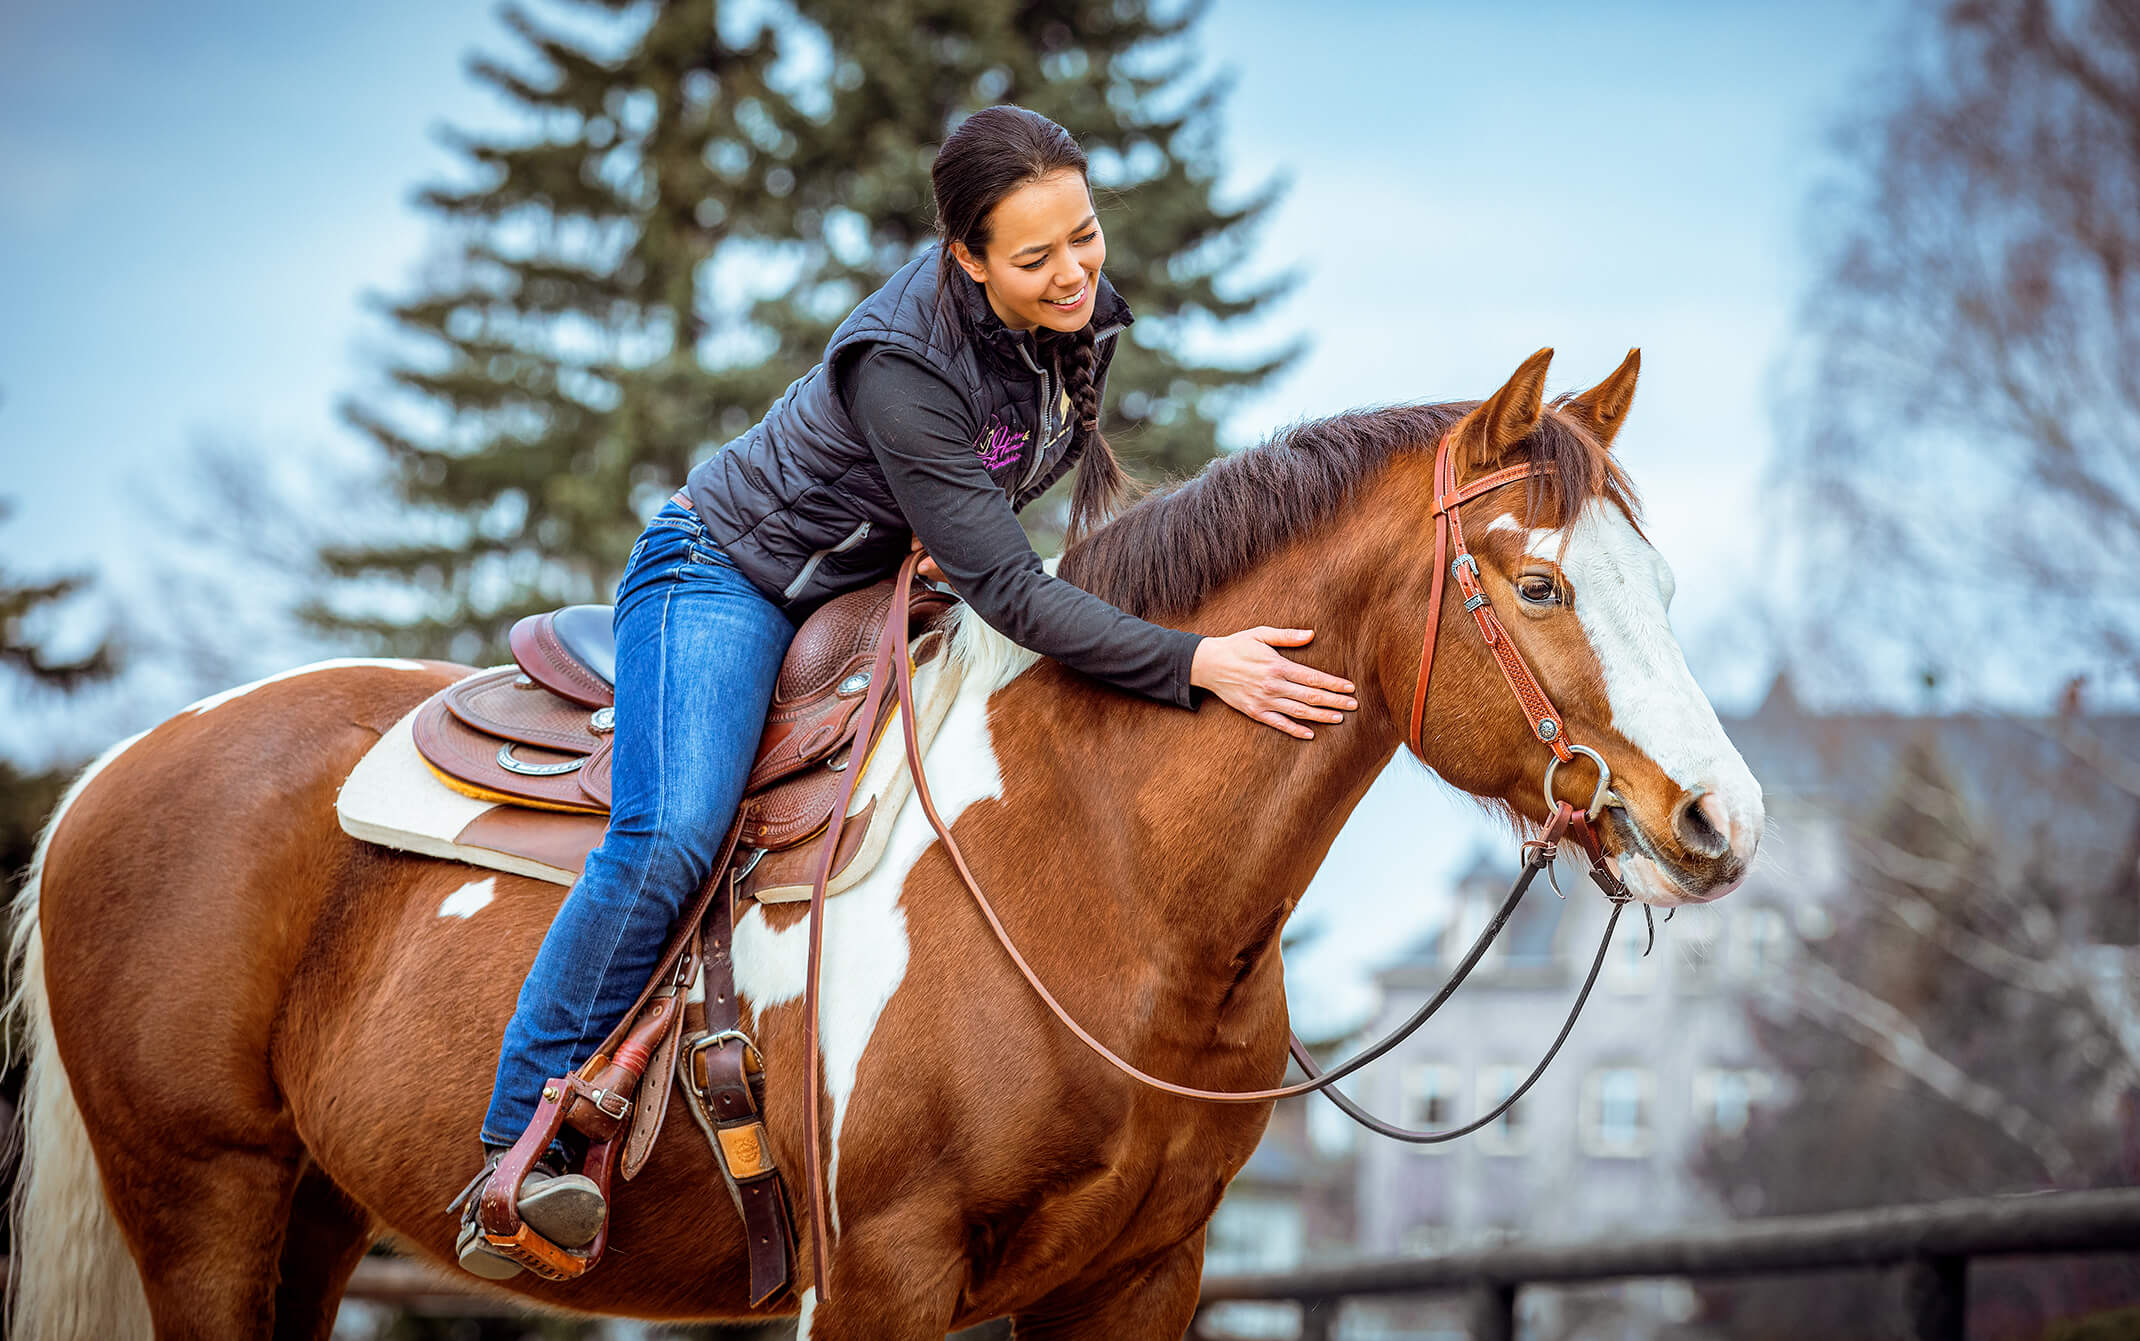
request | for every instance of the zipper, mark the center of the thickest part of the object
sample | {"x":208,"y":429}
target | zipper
{"x":1046,"y":439}
{"x":809,"y":568}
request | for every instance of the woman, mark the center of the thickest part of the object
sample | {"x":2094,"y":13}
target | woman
{"x":950,"y":398}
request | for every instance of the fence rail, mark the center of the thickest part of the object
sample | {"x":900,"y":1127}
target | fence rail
{"x":1929,"y":1245}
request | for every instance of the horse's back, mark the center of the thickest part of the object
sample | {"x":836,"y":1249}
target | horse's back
{"x":180,"y":885}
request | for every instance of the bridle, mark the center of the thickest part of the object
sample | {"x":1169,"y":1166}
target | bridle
{"x":1538,"y":709}
{"x":1545,"y":722}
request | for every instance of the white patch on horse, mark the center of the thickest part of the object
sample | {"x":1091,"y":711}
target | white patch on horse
{"x":465,"y":901}
{"x":1622,"y":588}
{"x":808,"y":1300}
{"x":991,"y":660}
{"x":865,"y":928}
{"x":333,"y":663}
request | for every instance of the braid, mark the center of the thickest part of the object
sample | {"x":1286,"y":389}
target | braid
{"x":1102,"y":485}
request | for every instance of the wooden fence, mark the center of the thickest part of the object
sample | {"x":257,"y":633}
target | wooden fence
{"x":1928,"y":1248}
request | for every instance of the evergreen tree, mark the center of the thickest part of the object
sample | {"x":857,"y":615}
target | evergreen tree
{"x":27,"y":797}
{"x":1122,"y":81}
{"x":685,"y":218}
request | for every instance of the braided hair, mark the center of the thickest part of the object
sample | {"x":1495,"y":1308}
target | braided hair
{"x":991,"y":154}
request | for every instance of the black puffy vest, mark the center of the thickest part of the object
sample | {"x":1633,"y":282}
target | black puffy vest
{"x":798,"y":502}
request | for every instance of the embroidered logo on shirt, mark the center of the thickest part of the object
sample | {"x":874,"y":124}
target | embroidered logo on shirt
{"x":1000,"y":446}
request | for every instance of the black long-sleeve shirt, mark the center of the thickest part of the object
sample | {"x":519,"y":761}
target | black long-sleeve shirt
{"x":922,"y":432}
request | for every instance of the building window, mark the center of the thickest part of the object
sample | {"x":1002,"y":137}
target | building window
{"x":1700,"y":953}
{"x":1505,"y":1134}
{"x":1765,"y":941}
{"x":1630,"y":967}
{"x":1725,"y":1098}
{"x":1430,"y":1093}
{"x":1249,"y":1232}
{"x":1616,"y":1112}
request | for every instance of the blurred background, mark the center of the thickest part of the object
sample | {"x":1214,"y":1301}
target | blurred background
{"x":352,"y":330}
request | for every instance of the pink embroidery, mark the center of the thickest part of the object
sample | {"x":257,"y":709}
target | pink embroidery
{"x":1000,"y":447}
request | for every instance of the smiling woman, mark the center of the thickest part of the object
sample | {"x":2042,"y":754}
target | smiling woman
{"x":945,"y":402}
{"x":1046,"y":274}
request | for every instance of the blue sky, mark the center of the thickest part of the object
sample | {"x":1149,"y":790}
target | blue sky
{"x":195,"y":200}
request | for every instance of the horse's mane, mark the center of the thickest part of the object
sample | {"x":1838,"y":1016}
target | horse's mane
{"x":1175,"y":547}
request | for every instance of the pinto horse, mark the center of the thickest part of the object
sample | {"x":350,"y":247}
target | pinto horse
{"x":259,"y":1044}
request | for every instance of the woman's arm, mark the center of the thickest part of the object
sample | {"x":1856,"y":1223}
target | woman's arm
{"x":922,"y":433}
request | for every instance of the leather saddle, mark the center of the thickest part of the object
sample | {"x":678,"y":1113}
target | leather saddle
{"x":538,"y":733}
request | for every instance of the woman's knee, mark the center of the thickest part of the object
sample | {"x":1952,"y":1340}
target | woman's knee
{"x":660,"y":855}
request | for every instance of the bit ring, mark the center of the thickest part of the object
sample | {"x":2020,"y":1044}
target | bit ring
{"x":1597,"y":798}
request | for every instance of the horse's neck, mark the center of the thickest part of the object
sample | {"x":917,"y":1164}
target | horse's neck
{"x":1229,"y":818}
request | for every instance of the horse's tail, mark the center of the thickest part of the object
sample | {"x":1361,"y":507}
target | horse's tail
{"x":72,"y":1278}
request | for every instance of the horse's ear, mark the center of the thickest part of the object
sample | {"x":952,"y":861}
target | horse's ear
{"x":1484,"y":436}
{"x":1603,"y":408}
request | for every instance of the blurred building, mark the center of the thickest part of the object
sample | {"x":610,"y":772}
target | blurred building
{"x":1662,"y":1060}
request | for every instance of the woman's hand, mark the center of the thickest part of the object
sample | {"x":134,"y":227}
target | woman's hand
{"x":1242,"y":669}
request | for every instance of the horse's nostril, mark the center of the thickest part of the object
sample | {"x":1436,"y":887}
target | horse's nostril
{"x":1697,"y":820}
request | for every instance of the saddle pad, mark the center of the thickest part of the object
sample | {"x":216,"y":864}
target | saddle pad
{"x":393,"y":798}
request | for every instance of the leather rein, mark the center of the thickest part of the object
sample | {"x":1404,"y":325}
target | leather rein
{"x":1566,"y":820}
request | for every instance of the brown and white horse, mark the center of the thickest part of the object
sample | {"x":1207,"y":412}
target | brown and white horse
{"x":258,"y":1044}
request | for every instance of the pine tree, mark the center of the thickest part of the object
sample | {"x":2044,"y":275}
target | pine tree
{"x":675,"y":235}
{"x":31,"y":668}
{"x":1123,"y":82}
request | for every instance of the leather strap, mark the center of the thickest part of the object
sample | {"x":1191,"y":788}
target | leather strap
{"x":896,"y":616}
{"x":1563,"y":820}
{"x":1537,"y":708}
{"x":724,"y":1084}
{"x":674,"y":966}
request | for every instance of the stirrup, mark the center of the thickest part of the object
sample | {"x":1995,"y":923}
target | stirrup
{"x":496,"y":1210}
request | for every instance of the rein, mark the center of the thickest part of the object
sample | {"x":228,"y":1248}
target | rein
{"x":1565,"y":821}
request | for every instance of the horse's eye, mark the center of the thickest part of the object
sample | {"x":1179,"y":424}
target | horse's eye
{"x":1537,"y":589}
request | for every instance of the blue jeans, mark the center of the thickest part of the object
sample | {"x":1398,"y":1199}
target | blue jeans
{"x":698,"y":648}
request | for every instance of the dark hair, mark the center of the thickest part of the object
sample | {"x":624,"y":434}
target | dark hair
{"x":991,"y":154}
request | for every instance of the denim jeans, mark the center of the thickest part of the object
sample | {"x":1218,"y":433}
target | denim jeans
{"x":697,"y":650}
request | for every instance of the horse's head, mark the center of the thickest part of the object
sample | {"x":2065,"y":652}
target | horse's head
{"x":1583,"y":597}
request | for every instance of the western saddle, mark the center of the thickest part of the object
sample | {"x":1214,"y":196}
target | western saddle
{"x":539,"y":734}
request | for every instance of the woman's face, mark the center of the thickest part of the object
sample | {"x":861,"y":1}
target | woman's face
{"x":1045,"y":250}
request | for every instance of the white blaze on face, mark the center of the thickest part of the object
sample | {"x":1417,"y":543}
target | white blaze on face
{"x":1621,"y":587}
{"x":866,"y":942}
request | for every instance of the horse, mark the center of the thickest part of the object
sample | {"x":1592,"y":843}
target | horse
{"x":258,"y":1044}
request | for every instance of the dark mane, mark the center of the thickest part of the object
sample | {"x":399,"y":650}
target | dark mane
{"x":1174,"y":548}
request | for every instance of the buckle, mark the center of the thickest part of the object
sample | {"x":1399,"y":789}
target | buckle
{"x":602,"y":1099}
{"x":755,"y":1059}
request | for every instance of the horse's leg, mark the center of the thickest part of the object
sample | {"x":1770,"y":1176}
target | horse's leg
{"x":327,"y":1238}
{"x":206,"y":1226}
{"x":894,"y":1278}
{"x":1155,"y":1300}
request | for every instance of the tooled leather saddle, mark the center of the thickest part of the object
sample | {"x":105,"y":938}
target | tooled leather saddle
{"x":539,"y":734}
